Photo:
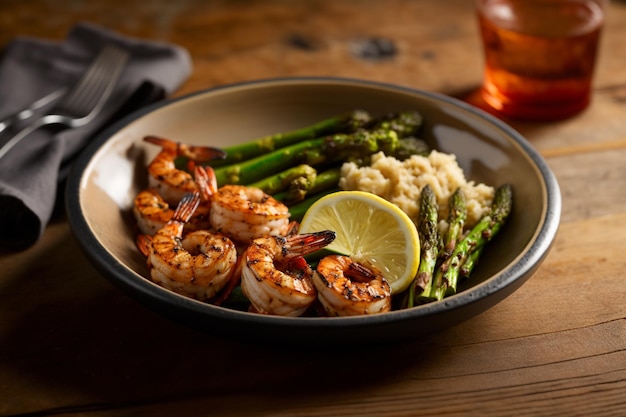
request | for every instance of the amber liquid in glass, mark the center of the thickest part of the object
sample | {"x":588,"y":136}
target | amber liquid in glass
{"x":539,"y":56}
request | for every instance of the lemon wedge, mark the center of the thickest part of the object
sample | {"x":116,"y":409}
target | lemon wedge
{"x":371,"y":230}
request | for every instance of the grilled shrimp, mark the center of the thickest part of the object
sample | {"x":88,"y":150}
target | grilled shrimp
{"x":197,"y":264}
{"x":347,"y":288}
{"x":246,"y":213}
{"x":172,"y":183}
{"x":275,"y":276}
{"x":152,"y":212}
{"x":206,"y":183}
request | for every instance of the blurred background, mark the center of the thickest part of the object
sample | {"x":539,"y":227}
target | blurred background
{"x":282,"y":37}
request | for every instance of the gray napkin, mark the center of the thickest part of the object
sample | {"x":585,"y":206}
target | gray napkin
{"x":30,"y":68}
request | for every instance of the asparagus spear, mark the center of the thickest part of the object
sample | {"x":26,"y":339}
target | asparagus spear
{"x":298,"y":189}
{"x":470,"y":262}
{"x":480,"y":235}
{"x":439,"y":287}
{"x":429,"y":237}
{"x":410,"y":146}
{"x":405,"y":124}
{"x":326,"y":179}
{"x":293,"y":183}
{"x":323,"y":181}
{"x":355,"y":146}
{"x":456,"y":221}
{"x":344,"y":123}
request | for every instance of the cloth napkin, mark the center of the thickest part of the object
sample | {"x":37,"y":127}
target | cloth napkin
{"x":30,"y":68}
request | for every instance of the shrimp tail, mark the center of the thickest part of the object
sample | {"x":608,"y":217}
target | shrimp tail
{"x":166,"y":144}
{"x":359,"y":273}
{"x":143,"y":243}
{"x":187,"y":206}
{"x":202,"y":153}
{"x":293,"y":228}
{"x":206,"y":181}
{"x":196,"y":153}
{"x":304,"y":244}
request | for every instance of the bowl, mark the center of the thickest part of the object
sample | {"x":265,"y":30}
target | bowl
{"x":108,"y":174}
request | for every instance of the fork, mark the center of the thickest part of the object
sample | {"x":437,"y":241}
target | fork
{"x":29,"y":111}
{"x":85,"y":100}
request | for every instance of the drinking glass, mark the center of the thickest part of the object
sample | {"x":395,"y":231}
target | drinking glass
{"x":539,"y":55}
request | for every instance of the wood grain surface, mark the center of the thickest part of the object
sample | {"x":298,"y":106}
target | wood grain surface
{"x":73,"y":345}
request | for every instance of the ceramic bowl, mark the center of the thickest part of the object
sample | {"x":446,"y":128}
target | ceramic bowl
{"x":112,"y":170}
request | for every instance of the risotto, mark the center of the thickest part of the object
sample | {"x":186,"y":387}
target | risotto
{"x":400,"y":182}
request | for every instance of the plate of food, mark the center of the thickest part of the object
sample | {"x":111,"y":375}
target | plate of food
{"x":314,"y":210}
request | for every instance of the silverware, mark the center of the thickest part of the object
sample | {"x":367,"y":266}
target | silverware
{"x":29,"y":111}
{"x":85,"y":100}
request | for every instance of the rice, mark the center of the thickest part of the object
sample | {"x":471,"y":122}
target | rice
{"x":401,"y":182}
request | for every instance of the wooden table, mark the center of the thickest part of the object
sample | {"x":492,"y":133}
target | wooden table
{"x":72,"y":345}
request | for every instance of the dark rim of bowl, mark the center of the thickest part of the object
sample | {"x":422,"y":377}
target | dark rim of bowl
{"x":110,"y":267}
